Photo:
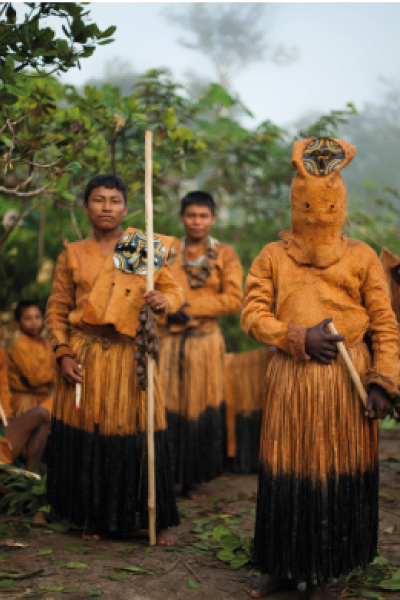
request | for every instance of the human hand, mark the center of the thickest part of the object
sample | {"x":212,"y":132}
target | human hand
{"x":321,"y":345}
{"x":156,"y":301}
{"x":180,"y":317}
{"x":378,"y":403}
{"x":70,"y":370}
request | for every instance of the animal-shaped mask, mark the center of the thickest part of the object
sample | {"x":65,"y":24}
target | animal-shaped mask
{"x":319,"y":201}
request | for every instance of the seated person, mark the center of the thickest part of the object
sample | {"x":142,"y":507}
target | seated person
{"x":31,"y":362}
{"x":25,"y":438}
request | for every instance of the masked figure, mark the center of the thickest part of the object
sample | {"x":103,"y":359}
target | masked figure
{"x":317,"y":506}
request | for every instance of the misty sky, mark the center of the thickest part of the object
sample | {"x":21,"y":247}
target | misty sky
{"x":344,"y":50}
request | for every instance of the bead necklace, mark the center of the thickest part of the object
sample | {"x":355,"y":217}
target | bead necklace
{"x":203,"y":264}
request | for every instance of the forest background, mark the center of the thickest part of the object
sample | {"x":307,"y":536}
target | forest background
{"x":55,"y":136}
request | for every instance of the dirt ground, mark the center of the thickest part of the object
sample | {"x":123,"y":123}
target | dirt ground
{"x":54,"y":560}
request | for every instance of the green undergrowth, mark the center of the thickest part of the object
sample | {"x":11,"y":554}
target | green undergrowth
{"x":28,"y":498}
{"x":219,"y":540}
{"x":380,"y":576}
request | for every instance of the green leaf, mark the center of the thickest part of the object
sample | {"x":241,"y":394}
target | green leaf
{"x":367,"y":594}
{"x":6,"y":582}
{"x":71,"y":590}
{"x":380,"y":560}
{"x":45,"y":551}
{"x":221,"y":530}
{"x":192,"y":585}
{"x":115,"y":576}
{"x":390,"y":585}
{"x":76,"y":565}
{"x":52,"y":588}
{"x":230,"y":542}
{"x":236,"y":563}
{"x":137,"y":570}
{"x":225,"y":555}
{"x":90,"y":592}
{"x":74,"y":168}
{"x":77,"y":549}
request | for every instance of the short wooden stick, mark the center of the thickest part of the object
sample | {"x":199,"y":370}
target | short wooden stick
{"x":150,"y":362}
{"x":349,"y":364}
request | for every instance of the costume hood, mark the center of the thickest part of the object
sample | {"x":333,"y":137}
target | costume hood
{"x":318,"y":201}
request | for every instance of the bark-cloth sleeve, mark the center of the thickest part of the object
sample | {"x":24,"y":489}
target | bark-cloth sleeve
{"x":229,"y":300}
{"x":258,"y":319}
{"x":59,"y":305}
{"x":170,"y":289}
{"x":383,"y":329}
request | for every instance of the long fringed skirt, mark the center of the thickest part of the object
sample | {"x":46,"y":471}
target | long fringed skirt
{"x":97,"y":471}
{"x":192,"y":378}
{"x":244,"y":398}
{"x":317,"y":504}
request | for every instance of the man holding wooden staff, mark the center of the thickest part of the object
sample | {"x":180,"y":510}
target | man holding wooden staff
{"x":97,"y":472}
{"x":317,"y":505}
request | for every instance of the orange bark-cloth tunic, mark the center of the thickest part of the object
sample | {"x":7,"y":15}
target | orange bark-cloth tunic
{"x":97,"y":472}
{"x":31,"y":373}
{"x":5,"y":396}
{"x":192,"y":367}
{"x":317,"y":504}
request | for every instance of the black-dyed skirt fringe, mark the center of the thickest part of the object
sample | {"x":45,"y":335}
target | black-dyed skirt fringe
{"x":311,"y":532}
{"x":197,"y":448}
{"x":101,"y":481}
{"x":247,"y":431}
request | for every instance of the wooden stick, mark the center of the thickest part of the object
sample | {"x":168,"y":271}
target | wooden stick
{"x":3,"y":415}
{"x":150,"y":363}
{"x":353,"y":373}
{"x":78,"y":394}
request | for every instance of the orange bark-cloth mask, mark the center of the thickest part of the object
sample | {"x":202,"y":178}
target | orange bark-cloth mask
{"x":319,"y":201}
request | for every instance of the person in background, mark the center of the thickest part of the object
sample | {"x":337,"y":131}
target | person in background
{"x":31,"y":362}
{"x":192,"y":347}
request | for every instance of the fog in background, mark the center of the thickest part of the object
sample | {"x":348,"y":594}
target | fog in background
{"x":343,"y":51}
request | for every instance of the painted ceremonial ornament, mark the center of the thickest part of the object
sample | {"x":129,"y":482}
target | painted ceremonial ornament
{"x":130,"y":255}
{"x":323,"y":156}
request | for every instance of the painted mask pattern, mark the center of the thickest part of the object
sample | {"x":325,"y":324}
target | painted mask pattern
{"x":323,"y":156}
{"x":130,"y":254}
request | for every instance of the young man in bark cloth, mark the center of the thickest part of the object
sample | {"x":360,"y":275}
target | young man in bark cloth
{"x":97,"y":472}
{"x":31,"y":362}
{"x":317,"y":503}
{"x":192,"y":347}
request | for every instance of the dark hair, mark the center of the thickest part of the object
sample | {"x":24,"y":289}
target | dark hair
{"x":110,"y":182}
{"x":22,"y":305}
{"x":200,"y":198}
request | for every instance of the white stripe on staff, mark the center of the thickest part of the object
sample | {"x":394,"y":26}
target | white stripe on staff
{"x":78,"y":394}
{"x":150,"y":364}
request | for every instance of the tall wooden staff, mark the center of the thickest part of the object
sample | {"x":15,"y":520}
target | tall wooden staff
{"x":150,"y":364}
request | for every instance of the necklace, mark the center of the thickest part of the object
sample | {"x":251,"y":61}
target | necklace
{"x":203,"y":264}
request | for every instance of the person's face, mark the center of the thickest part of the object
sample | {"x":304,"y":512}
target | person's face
{"x":197,"y":221}
{"x":105,"y":208}
{"x":31,"y":321}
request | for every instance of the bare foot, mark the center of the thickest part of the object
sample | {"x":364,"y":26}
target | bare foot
{"x":266,"y":585}
{"x":165,"y":538}
{"x":94,"y":536}
{"x":321,"y":592}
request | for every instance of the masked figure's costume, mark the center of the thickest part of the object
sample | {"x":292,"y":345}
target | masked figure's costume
{"x":97,"y":472}
{"x":317,"y":506}
{"x":192,"y":361}
{"x":31,"y":373}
